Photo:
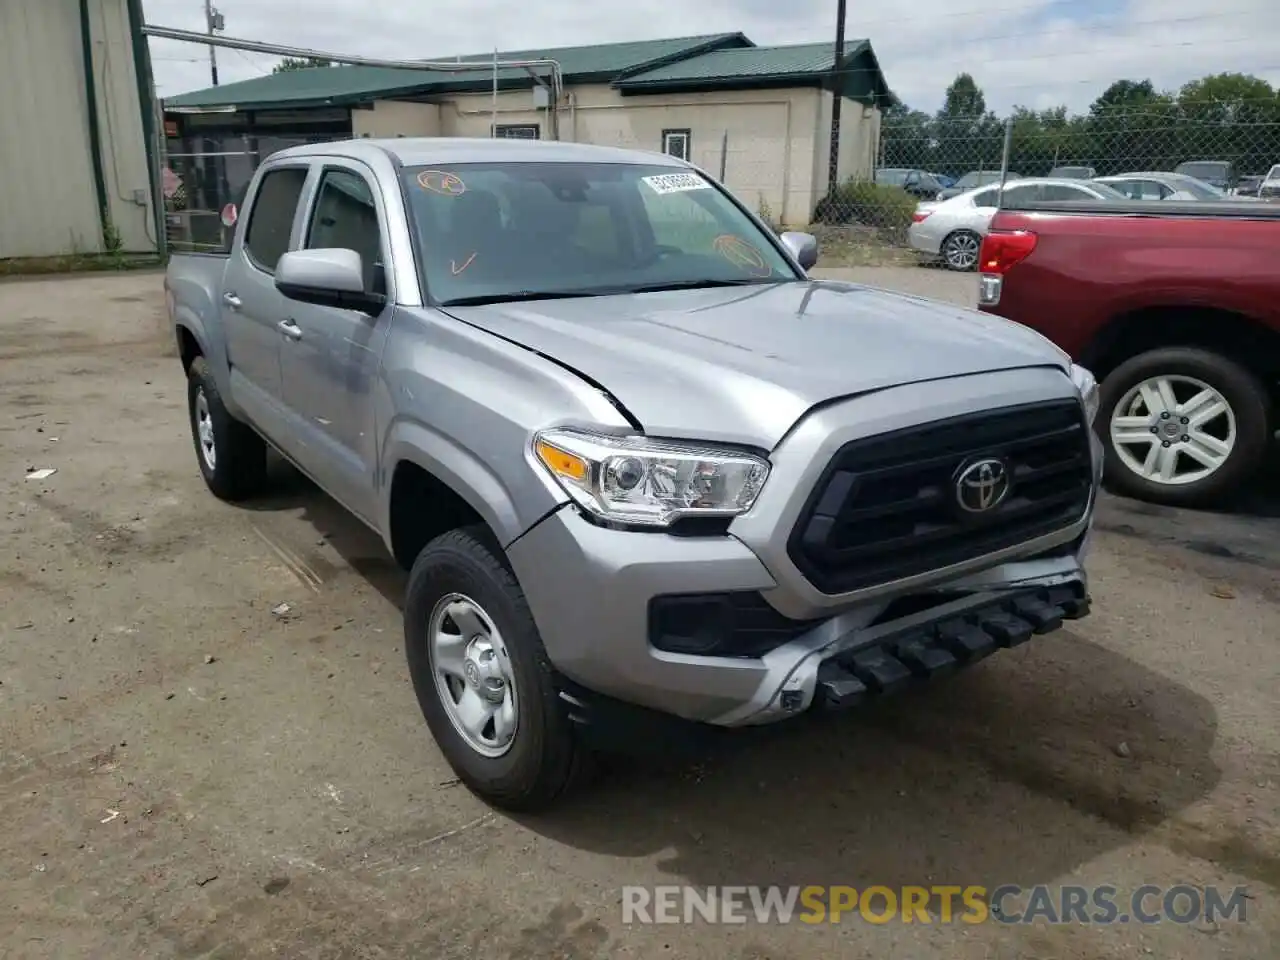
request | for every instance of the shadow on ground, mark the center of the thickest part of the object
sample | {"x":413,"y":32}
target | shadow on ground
{"x":1014,"y":768}
{"x":1033,"y":763}
{"x":359,"y":546}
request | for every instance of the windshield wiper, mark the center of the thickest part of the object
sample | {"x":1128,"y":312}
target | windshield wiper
{"x":514,"y":296}
{"x":694,"y":284}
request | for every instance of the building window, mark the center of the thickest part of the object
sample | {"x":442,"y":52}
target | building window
{"x":518,"y":131}
{"x":676,"y":143}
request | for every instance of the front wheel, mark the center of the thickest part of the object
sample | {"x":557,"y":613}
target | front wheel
{"x":1183,"y":426}
{"x":482,"y":677}
{"x":960,"y":250}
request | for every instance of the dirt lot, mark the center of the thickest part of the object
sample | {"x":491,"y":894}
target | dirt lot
{"x":184,"y":773}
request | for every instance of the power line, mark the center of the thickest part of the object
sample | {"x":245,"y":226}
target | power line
{"x":1075,"y":29}
{"x":245,"y":57}
{"x":1039,"y":8}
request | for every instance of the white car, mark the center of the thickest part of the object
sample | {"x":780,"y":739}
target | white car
{"x":1269,"y":189}
{"x":953,"y":229}
{"x":1159,"y":185}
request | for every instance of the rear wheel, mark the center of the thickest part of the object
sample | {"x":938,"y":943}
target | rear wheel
{"x":232,"y":458}
{"x":1183,"y":426}
{"x":960,"y":250}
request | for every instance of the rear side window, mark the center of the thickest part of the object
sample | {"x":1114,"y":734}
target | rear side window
{"x":1013,"y":196}
{"x":271,"y":219}
{"x":1060,"y":191}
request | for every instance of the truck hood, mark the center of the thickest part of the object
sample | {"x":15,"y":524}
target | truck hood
{"x":743,"y":364}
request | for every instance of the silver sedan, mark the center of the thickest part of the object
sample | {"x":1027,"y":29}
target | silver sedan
{"x":953,"y":229}
{"x":1159,"y":185}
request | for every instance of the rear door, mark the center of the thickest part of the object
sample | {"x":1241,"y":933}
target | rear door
{"x":251,"y":306}
{"x":329,"y":364}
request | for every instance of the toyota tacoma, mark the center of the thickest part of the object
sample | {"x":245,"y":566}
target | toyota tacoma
{"x":637,"y":463}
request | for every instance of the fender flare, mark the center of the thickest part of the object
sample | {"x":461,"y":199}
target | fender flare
{"x":454,"y":466}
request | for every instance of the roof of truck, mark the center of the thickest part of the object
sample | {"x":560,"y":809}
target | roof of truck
{"x":414,"y":151}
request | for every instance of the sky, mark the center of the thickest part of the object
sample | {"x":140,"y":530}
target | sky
{"x":1035,"y":53}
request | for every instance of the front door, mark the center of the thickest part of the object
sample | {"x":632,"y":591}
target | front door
{"x":329,"y":371}
{"x":251,"y":306}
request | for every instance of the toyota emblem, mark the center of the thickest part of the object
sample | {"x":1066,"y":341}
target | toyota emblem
{"x":982,"y":485}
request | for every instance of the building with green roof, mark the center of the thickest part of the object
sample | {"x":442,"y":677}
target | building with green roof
{"x":757,"y":116}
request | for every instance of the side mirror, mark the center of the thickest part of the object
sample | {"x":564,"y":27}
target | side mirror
{"x":329,"y":278}
{"x":802,"y":246}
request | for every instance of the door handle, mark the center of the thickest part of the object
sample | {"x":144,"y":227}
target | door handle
{"x":231,"y":300}
{"x":290,"y":329}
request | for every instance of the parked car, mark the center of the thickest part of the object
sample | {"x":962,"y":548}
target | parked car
{"x":1269,"y":189}
{"x":953,"y":229}
{"x":971,"y":180}
{"x":918,"y":183}
{"x":1158,"y":185}
{"x":1073,"y":173}
{"x":1248,"y":186}
{"x":1218,"y":173}
{"x":641,"y":469}
{"x":1177,"y":308}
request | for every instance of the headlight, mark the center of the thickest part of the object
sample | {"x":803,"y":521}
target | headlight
{"x":1088,"y":388}
{"x":652,"y":483}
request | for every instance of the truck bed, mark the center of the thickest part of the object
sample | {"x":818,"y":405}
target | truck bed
{"x":1156,"y":210}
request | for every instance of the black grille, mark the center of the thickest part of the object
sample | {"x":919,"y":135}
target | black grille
{"x":886,"y":506}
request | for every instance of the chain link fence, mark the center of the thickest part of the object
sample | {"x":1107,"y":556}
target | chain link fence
{"x":927,"y":159}
{"x":201,"y":176}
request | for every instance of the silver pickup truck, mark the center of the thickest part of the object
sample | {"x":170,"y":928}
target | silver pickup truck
{"x":640,"y":467}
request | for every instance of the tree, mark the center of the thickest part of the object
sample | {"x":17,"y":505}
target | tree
{"x":1227,"y":97}
{"x":1233,"y":116}
{"x":964,"y":98}
{"x":966,"y":136}
{"x":1125,"y":95}
{"x":299,"y":63}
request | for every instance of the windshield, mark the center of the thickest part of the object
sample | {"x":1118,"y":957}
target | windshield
{"x":1198,"y":188}
{"x":1209,"y":171}
{"x":489,"y":232}
{"x":981,"y":179}
{"x":1106,"y":191}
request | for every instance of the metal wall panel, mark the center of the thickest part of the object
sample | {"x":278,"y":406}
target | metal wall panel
{"x":48,"y":200}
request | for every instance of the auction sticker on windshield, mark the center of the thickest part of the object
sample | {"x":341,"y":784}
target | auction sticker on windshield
{"x":676,"y":182}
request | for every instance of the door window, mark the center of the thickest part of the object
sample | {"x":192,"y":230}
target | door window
{"x":346,"y":217}
{"x":1014,"y":196}
{"x":271,"y":219}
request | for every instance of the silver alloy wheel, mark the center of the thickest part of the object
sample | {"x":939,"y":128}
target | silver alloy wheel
{"x":204,"y":431}
{"x":1166,"y":422}
{"x":473,"y":674}
{"x":961,"y":251}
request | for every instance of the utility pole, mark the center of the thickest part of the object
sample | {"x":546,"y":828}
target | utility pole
{"x":213,"y":21}
{"x":837,"y":86}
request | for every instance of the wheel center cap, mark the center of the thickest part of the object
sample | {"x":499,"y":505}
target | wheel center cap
{"x":1171,"y":429}
{"x":471,"y":671}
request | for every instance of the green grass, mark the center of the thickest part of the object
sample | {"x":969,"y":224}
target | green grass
{"x":78,"y":263}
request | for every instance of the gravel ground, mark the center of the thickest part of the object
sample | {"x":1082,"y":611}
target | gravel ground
{"x":184,"y":773}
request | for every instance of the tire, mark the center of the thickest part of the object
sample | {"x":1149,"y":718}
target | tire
{"x":542,"y":758}
{"x":236,"y":468}
{"x":1188,"y":369}
{"x":960,"y":250}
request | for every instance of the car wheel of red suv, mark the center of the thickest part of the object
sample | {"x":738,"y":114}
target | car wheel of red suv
{"x":1182,"y":426}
